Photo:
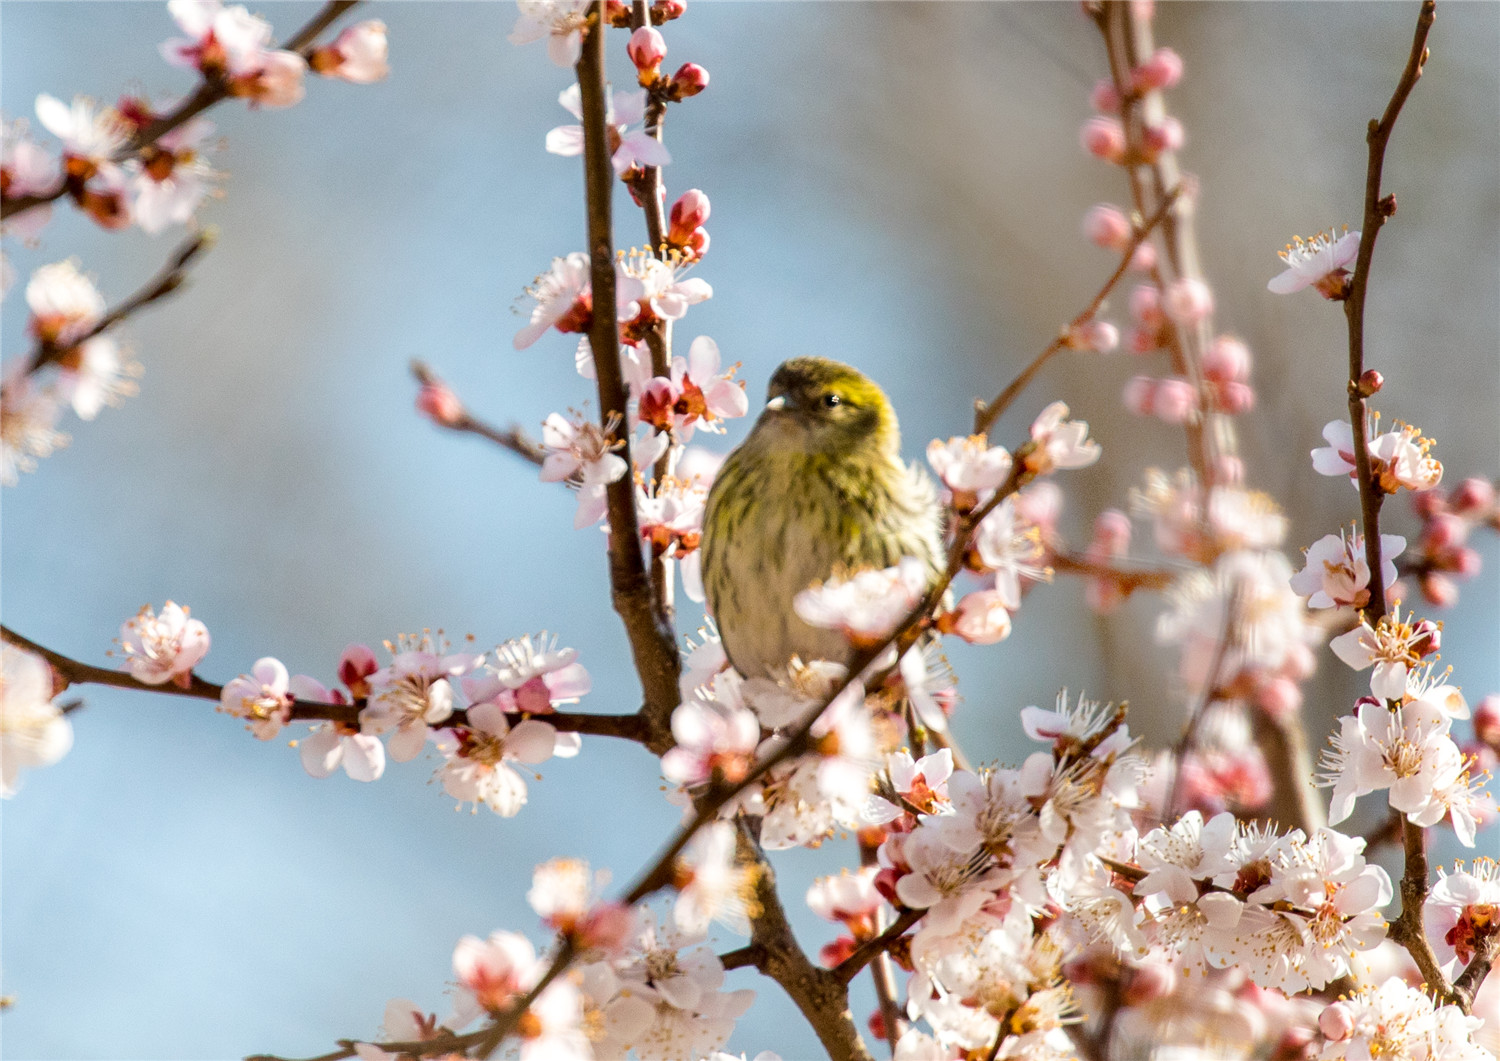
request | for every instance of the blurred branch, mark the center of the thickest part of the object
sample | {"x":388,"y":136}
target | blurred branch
{"x":652,"y":639}
{"x":166,"y":281}
{"x":985,"y":414}
{"x":209,"y":92}
{"x":865,"y":953}
{"x":511,"y":438}
{"x":1127,"y":579}
{"x":69,"y":671}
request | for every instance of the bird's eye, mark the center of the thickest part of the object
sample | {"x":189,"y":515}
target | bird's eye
{"x":830,"y":400}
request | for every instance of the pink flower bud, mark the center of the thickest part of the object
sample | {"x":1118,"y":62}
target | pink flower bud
{"x":689,"y":80}
{"x":1234,"y":398}
{"x":1473,"y":496}
{"x":690,"y":210}
{"x":608,"y":927}
{"x":1427,"y":640}
{"x":1227,"y":360}
{"x":1145,"y":305}
{"x":1429,"y":504}
{"x":357,"y":55}
{"x":1487,"y":720}
{"x":647,"y":48}
{"x":1188,"y":300}
{"x":1098,"y":336}
{"x":1444,"y":531}
{"x":1300,"y":663}
{"x":981,"y":618}
{"x":1467,"y":562}
{"x":1144,"y":258}
{"x":438,"y":403}
{"x":1167,"y":135}
{"x":355,"y":665}
{"x":667,"y":10}
{"x":1105,"y":98}
{"x":1143,"y":341}
{"x":1336,"y":1022}
{"x":1104,"y":138}
{"x":1174,"y":401}
{"x":1105,"y":226}
{"x":1280,"y":698}
{"x":1138,"y":395}
{"x":1162,"y":70}
{"x":1112,"y":532}
{"x":834,"y":953}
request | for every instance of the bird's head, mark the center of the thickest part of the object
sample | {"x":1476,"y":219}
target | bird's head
{"x":825,"y":406}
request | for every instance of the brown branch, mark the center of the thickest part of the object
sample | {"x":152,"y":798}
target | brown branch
{"x":652,"y":640}
{"x":881,"y":974}
{"x":511,"y":438}
{"x":1211,"y":692}
{"x":1466,"y":986}
{"x":69,"y":671}
{"x":752,"y":956}
{"x":986,"y":413}
{"x":865,"y":953}
{"x":1127,"y":579}
{"x":167,"y":280}
{"x":1407,"y":929}
{"x":1377,"y":211}
{"x":209,"y":92}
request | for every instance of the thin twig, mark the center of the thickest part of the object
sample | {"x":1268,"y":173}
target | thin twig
{"x":75,"y":672}
{"x":986,"y":413}
{"x":1127,"y":579}
{"x":511,"y":438}
{"x":167,"y":280}
{"x":865,"y":953}
{"x":652,"y":641}
{"x":881,"y":975}
{"x":1227,"y":637}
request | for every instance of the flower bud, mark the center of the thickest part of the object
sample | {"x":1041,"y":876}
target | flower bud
{"x":689,"y":211}
{"x":1098,"y":336}
{"x":1427,"y":640}
{"x":1188,"y":300}
{"x":1234,"y":398}
{"x":1336,"y":1022}
{"x":1174,"y":401}
{"x":1167,"y":135}
{"x":1467,"y":562}
{"x":1143,"y":260}
{"x":1281,"y":698}
{"x":1473,"y":496}
{"x":1429,"y":504}
{"x":1152,"y":981}
{"x":1444,"y":531}
{"x":689,"y":80}
{"x":1370,"y":381}
{"x":1227,"y":360}
{"x":1138,"y":394}
{"x":617,"y":13}
{"x":1112,"y":531}
{"x":355,"y":665}
{"x":1145,"y":305}
{"x":1104,"y":138}
{"x":1105,"y":226}
{"x":438,"y":403}
{"x":1439,"y":590}
{"x":357,"y":55}
{"x":1487,"y":720}
{"x":1228,"y":469}
{"x":1105,"y":98}
{"x":667,"y":10}
{"x":646,"y":49}
{"x":1162,"y":70}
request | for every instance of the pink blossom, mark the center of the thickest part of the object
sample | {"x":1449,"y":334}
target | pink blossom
{"x":716,"y":735}
{"x":262,"y":698}
{"x":1392,"y":647}
{"x":91,"y":138}
{"x":867,"y":605}
{"x":1104,"y":138}
{"x":478,"y":768}
{"x":696,"y":393}
{"x":646,"y":48}
{"x":333,"y":744}
{"x":163,"y":648}
{"x":26,"y":167}
{"x":28,"y":421}
{"x":969,"y":465}
{"x":492,"y":972}
{"x":232,"y":44}
{"x":1162,"y":70}
{"x":64,"y":303}
{"x":563,"y":298}
{"x":712,"y":885}
{"x":1462,"y":911}
{"x":850,"y":898}
{"x":1336,"y":573}
{"x":562,"y":22}
{"x":1059,"y":443}
{"x":661,"y":289}
{"x":1188,"y":300}
{"x":622,"y":110}
{"x":689,"y":80}
{"x":357,"y":55}
{"x":170,"y":177}
{"x":981,"y":618}
{"x":1105,"y":226}
{"x":1317,"y":262}
{"x":578,"y":449}
{"x":413,"y":694}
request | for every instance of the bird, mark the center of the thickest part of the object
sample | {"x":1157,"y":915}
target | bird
{"x":818,"y":489}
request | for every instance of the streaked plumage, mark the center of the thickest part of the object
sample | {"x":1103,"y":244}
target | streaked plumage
{"x":818,"y":487}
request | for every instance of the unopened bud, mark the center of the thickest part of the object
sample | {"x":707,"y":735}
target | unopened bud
{"x":1227,"y":360}
{"x":1112,"y":532}
{"x":1336,"y":1022}
{"x":1104,"y":138}
{"x":647,"y":48}
{"x":1473,"y":495}
{"x":689,"y":80}
{"x":1467,"y":562}
{"x":1144,"y":258}
{"x":1166,"y":135}
{"x":1281,"y":698}
{"x":1428,"y":639}
{"x":1105,"y":226}
{"x":1138,"y":393}
{"x":358,"y":55}
{"x":1145,"y":305}
{"x":667,"y":10}
{"x":438,"y":403}
{"x":1234,"y":398}
{"x":1439,"y":590}
{"x":689,"y":211}
{"x":1162,"y":70}
{"x":355,"y":665}
{"x":1487,"y":720}
{"x":1105,"y":98}
{"x":1100,"y":337}
{"x":1188,"y":300}
{"x":1174,"y":401}
{"x":1444,"y":531}
{"x":617,"y":13}
{"x":1370,"y":382}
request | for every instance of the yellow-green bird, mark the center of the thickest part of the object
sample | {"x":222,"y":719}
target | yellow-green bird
{"x":818,"y":488}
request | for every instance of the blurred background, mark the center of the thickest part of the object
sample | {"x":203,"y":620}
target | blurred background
{"x":896,"y":185}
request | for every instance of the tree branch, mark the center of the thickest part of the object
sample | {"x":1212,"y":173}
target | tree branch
{"x":69,"y":671}
{"x":511,"y":438}
{"x":652,"y":640}
{"x":986,"y":413}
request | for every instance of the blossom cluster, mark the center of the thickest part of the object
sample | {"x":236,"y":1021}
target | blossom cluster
{"x":419,"y":699}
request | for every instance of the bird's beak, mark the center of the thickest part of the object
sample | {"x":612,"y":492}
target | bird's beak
{"x":776,"y":404}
